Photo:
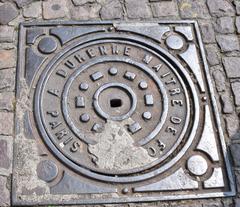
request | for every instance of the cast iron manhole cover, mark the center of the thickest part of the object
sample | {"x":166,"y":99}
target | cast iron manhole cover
{"x":116,"y":112}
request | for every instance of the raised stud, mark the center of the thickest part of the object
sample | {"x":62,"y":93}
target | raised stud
{"x":197,"y":165}
{"x":147,"y":115}
{"x":113,"y":71}
{"x":143,"y":85}
{"x":83,"y":86}
{"x":47,"y":45}
{"x":84,"y":118}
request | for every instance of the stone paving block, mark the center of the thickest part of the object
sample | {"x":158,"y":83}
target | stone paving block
{"x":213,"y":55}
{"x":85,"y":12}
{"x":7,"y":100}
{"x":236,"y":91}
{"x":227,"y":104}
{"x":219,"y":78}
{"x":225,"y":25}
{"x":6,"y":33}
{"x":164,"y":9}
{"x":7,"y":13}
{"x":112,"y":10}
{"x":237,"y":202}
{"x":53,"y":9}
{"x":235,"y":151}
{"x":237,"y":6}
{"x":231,"y":65}
{"x":207,"y":32}
{"x":219,"y":8}
{"x":232,"y":125}
{"x":238,"y":24}
{"x":138,"y":9}
{"x":7,"y":123}
{"x":7,"y":80}
{"x":228,"y":43}
{"x":82,"y":2}
{"x":193,"y":9}
{"x":4,"y":192}
{"x":6,"y":145}
{"x":22,"y":3}
{"x":7,"y":58}
{"x":33,"y":10}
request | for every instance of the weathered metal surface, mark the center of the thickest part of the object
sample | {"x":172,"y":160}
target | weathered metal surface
{"x":119,"y":112}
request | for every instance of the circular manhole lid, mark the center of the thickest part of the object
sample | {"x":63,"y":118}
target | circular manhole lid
{"x":115,"y":108}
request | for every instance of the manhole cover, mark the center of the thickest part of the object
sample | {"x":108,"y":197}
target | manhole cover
{"x":113,"y":113}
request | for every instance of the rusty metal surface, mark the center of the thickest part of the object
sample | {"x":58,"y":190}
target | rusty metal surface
{"x":120,"y":112}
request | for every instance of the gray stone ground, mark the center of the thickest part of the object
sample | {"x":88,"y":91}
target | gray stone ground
{"x":220,"y":26}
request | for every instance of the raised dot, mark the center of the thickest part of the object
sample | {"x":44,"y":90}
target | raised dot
{"x":130,"y":76}
{"x":135,"y":127}
{"x":125,"y":190}
{"x":47,"y":45}
{"x":147,"y":115}
{"x":113,"y":71}
{"x":197,"y":165}
{"x":143,"y":85}
{"x":96,"y":76}
{"x":83,"y":86}
{"x":84,"y":118}
{"x":174,"y":42}
{"x":47,"y":170}
{"x":204,"y":98}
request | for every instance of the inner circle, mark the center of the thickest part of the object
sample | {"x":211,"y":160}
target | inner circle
{"x":106,"y":101}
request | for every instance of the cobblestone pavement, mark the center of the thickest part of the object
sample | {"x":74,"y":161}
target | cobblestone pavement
{"x":219,"y":22}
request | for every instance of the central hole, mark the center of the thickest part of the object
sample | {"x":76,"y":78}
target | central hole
{"x":115,"y":103}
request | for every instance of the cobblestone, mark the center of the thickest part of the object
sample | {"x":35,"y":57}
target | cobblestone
{"x":219,"y":80}
{"x":208,"y":34}
{"x":113,"y":10}
{"x":7,"y":13}
{"x":225,"y":25}
{"x":138,"y":9}
{"x":4,"y":192}
{"x":219,"y":8}
{"x":6,"y":33}
{"x":227,"y":104}
{"x":7,"y":59}
{"x":236,"y":92}
{"x":6,"y":151}
{"x":238,"y":24}
{"x":22,"y":3}
{"x":7,"y":101}
{"x":6,"y":126}
{"x":232,"y":124}
{"x":193,"y":9}
{"x":53,"y":9}
{"x":33,"y":10}
{"x":85,"y":12}
{"x":228,"y":43}
{"x":237,"y":202}
{"x":237,"y":6}
{"x":235,"y":151}
{"x":7,"y":80}
{"x":82,"y":2}
{"x":213,"y":56}
{"x":231,"y":65}
{"x":164,"y":9}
